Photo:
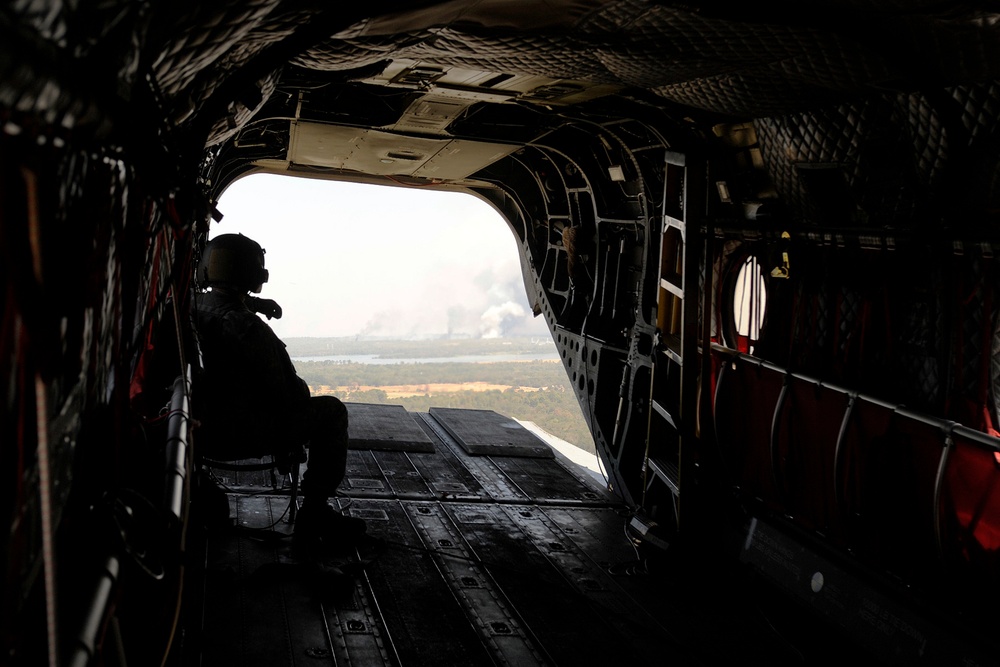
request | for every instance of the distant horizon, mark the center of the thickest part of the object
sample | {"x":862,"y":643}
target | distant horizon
{"x":350,"y":259}
{"x":427,"y":336}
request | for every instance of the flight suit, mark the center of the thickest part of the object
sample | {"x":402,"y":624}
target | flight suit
{"x":250,"y":402}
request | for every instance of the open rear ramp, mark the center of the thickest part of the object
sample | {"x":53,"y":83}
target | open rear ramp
{"x":386,"y":427}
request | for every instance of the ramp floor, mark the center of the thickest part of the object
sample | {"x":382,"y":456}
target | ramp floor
{"x":469,"y":560}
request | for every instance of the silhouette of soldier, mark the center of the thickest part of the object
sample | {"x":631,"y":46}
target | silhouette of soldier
{"x":252,"y":402}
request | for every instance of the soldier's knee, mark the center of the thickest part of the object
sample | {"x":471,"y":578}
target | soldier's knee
{"x":331,"y":410}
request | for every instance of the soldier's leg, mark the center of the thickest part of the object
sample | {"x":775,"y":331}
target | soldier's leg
{"x":318,"y":526}
{"x":327,"y":434}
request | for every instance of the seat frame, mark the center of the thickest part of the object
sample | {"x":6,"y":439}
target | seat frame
{"x":276,"y":463}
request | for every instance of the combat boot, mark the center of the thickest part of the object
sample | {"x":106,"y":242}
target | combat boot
{"x":321,"y":529}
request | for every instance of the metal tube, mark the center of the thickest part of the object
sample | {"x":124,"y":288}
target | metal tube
{"x":86,"y":639}
{"x":175,"y":471}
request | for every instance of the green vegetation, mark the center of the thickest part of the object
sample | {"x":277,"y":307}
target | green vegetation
{"x":537,"y":374}
{"x":537,"y":391}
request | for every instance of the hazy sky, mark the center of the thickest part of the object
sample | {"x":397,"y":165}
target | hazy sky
{"x":347,"y":259}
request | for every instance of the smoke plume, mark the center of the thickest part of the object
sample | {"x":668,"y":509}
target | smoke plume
{"x":496,"y":320}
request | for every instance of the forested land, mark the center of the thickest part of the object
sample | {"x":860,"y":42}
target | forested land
{"x":537,"y":391}
{"x":536,"y":374}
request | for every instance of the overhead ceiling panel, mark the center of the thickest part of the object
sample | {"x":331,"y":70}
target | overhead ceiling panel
{"x":386,"y":154}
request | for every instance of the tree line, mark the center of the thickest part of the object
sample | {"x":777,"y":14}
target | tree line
{"x":514,"y":373}
{"x":553,"y":405}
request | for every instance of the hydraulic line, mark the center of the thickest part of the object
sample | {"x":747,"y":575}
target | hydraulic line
{"x":48,"y":541}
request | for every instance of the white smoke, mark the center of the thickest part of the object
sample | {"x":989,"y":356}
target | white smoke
{"x":381,"y":322}
{"x":496,"y":319}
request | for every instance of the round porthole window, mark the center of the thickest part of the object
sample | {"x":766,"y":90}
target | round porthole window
{"x":744,"y":302}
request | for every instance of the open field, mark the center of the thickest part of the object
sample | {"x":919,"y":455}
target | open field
{"x":432,"y":389}
{"x":537,"y":391}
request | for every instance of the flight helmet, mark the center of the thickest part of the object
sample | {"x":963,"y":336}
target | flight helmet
{"x":235,"y":261}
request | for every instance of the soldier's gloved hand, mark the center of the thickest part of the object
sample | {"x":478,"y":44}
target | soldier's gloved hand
{"x":266,"y":307}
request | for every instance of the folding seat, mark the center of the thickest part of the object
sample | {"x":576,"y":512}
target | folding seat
{"x":970,"y":509}
{"x":807,"y":430}
{"x":893,"y":467}
{"x":746,"y":396}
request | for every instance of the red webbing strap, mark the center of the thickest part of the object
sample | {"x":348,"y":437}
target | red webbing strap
{"x":144,"y":363}
{"x":987,"y":350}
{"x":973,"y":410}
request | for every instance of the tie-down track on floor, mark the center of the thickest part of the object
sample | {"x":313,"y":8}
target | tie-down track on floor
{"x":513,"y":557}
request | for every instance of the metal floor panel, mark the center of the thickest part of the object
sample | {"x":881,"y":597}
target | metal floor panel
{"x":386,"y":427}
{"x":488,"y":433}
{"x":471,"y":560}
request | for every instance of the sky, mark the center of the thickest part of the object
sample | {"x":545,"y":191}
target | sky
{"x":348,"y":259}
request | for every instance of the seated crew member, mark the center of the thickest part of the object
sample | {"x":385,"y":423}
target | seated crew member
{"x":252,"y":402}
